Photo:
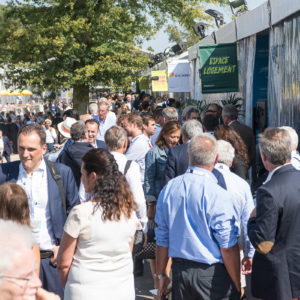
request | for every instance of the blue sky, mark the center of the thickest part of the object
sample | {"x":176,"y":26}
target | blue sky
{"x":160,"y":42}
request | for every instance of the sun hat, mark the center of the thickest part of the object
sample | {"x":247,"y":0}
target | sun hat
{"x":65,"y":127}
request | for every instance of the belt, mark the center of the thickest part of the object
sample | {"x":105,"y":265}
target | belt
{"x":46,"y":254}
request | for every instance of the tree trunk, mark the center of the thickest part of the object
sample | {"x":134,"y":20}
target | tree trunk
{"x":81,"y":98}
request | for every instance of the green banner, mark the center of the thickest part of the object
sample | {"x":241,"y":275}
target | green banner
{"x":219,"y":68}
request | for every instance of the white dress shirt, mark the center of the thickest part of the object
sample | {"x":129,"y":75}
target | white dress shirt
{"x":36,"y":188}
{"x":133,"y":179}
{"x":139,"y":146}
{"x":50,"y":135}
{"x":242,"y":201}
{"x":109,"y":121}
{"x":1,"y":145}
{"x":295,"y":161}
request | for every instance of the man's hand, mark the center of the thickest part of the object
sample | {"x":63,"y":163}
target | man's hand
{"x":246,"y":265}
{"x":163,"y":286}
{"x":53,"y":259}
{"x":253,"y":214}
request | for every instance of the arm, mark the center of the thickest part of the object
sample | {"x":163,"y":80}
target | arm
{"x":262,"y":227}
{"x":70,"y":188}
{"x":247,"y":209}
{"x":150,"y":171}
{"x":170,"y":172}
{"x":36,"y":251}
{"x":161,"y":264}
{"x":231,"y":259}
{"x":65,"y":256}
{"x":134,"y":181}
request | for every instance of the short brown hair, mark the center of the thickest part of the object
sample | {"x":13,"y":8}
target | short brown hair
{"x":38,"y":129}
{"x":14,"y":203}
{"x":146,"y":118}
{"x":92,"y":121}
{"x":135,"y":118}
{"x":168,"y":129}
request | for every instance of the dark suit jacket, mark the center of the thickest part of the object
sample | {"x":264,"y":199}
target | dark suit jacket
{"x":72,"y":158}
{"x":100,"y":144}
{"x":275,"y":234}
{"x":178,"y":162}
{"x":247,"y":135}
{"x":7,"y":147}
{"x":10,"y":172}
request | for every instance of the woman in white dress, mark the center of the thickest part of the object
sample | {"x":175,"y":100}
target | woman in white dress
{"x":94,"y":259}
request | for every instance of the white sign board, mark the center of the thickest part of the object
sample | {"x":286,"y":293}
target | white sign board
{"x":179,"y":76}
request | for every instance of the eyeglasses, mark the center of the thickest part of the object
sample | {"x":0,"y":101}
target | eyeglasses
{"x":25,"y":280}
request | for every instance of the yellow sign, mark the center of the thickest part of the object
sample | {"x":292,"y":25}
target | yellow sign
{"x":160,"y":85}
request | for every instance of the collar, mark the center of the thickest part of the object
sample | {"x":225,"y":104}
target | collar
{"x":231,"y":122}
{"x":221,"y":166}
{"x":202,"y":172}
{"x":117,"y":154}
{"x":138,"y":137}
{"x":41,"y":168}
{"x":270,"y":175}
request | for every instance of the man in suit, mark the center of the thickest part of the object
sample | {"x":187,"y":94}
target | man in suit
{"x":230,"y":116}
{"x":178,"y":162}
{"x":5,"y":147}
{"x":47,"y":213}
{"x":274,"y":226}
{"x":72,"y":156}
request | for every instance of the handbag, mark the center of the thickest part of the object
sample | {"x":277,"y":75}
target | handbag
{"x":149,"y":251}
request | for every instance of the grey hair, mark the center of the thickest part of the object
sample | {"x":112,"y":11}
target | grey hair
{"x":170,"y":113}
{"x":186,"y":113}
{"x":293,"y":136}
{"x":230,"y":111}
{"x":14,"y":237}
{"x":202,"y":150}
{"x":115,"y":137}
{"x":103,"y":101}
{"x":78,"y":131}
{"x":191,"y":128}
{"x":275,"y":144}
{"x":226,"y":152}
{"x":93,"y":108}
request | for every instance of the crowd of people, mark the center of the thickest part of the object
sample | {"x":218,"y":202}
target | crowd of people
{"x":95,"y":188}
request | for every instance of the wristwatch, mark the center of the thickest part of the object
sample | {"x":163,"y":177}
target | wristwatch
{"x":159,"y":276}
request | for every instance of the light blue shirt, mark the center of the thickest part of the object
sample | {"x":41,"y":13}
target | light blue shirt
{"x":109,"y":121}
{"x":242,"y":201}
{"x":139,"y":146}
{"x":195,"y":217}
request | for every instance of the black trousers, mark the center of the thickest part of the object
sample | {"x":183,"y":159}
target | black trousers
{"x":197,"y":281}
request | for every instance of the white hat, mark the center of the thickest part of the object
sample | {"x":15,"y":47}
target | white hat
{"x":65,"y":127}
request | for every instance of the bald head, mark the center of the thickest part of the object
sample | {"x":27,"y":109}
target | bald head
{"x":203,"y":151}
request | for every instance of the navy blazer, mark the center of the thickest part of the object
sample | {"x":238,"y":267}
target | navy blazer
{"x":7,"y":147}
{"x":178,"y":162}
{"x":10,"y":172}
{"x":100,"y":144}
{"x":275,"y":234}
{"x":72,"y":158}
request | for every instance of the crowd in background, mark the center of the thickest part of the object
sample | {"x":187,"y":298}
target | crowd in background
{"x":101,"y":188}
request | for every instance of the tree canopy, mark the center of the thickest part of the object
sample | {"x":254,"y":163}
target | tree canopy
{"x":51,"y":44}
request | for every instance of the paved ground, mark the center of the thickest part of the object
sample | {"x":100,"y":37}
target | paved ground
{"x":143,"y":284}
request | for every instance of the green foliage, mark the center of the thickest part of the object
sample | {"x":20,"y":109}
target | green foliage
{"x":201,"y":105}
{"x":236,"y":101}
{"x":58,"y":44}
